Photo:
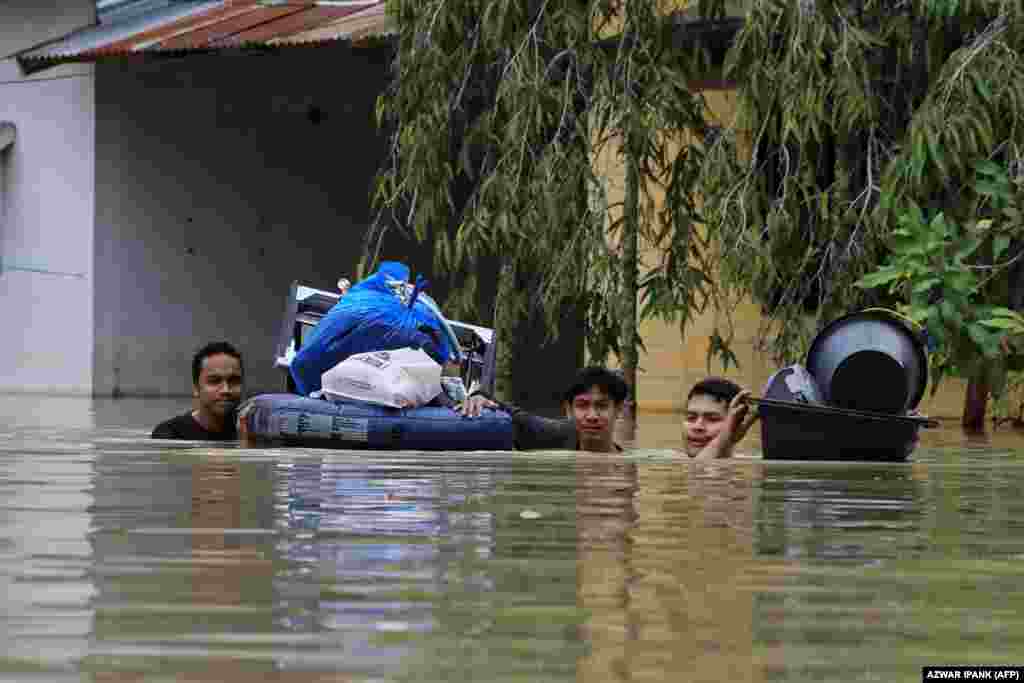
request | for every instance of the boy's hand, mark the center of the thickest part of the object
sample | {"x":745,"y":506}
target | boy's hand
{"x":740,"y":417}
{"x":474,"y":405}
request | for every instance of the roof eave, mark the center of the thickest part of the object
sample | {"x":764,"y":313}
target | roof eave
{"x":35,"y":64}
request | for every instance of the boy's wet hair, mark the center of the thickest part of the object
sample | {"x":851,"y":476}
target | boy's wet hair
{"x":718,"y":388}
{"x":609,"y":381}
{"x":214,"y":349}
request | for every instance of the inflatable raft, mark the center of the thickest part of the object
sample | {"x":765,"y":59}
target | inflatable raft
{"x":319,"y":423}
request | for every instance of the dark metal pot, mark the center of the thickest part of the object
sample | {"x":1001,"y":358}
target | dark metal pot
{"x":873,"y":360}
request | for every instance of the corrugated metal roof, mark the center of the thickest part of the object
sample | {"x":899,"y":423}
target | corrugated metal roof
{"x":367,"y":22}
{"x":156,"y":26}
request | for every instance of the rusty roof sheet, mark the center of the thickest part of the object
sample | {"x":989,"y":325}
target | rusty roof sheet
{"x":368,"y":21}
{"x":210,"y":25}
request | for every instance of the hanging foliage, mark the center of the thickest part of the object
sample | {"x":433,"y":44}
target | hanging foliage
{"x":843,"y":103}
{"x":954,"y":279}
{"x":498,"y":111}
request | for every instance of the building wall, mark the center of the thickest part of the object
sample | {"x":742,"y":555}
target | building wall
{"x":46,"y":229}
{"x":220,"y":180}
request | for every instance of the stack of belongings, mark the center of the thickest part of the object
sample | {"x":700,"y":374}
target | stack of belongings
{"x":369,"y":375}
{"x":378,"y":314}
{"x":856,"y":397}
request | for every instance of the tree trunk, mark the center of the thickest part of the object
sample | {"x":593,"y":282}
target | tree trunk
{"x":976,"y":403}
{"x":506,"y":322}
{"x":630,"y":257}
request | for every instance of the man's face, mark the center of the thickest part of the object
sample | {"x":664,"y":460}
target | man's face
{"x":595,"y":413}
{"x":220,"y":384}
{"x":704,"y":420}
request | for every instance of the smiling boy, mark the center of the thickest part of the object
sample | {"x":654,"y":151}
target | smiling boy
{"x":717,"y":418}
{"x":591,"y":405}
{"x":594,"y":403}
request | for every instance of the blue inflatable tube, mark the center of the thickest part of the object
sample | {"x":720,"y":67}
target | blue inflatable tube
{"x":295,"y":420}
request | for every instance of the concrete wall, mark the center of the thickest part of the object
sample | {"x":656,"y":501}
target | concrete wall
{"x":218,"y":183}
{"x":28,"y":23}
{"x":46,"y":229}
{"x":220,"y":179}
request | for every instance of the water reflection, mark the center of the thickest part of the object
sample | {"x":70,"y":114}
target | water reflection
{"x":605,"y":515}
{"x":694,"y":543}
{"x":361,"y":557}
{"x":182,"y":564}
{"x":126,"y":559}
{"x":44,"y":553}
{"x":837,"y":514}
{"x":867,"y":557}
{"x":434,"y":569}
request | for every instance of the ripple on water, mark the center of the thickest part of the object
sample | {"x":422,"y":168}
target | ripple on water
{"x":135,"y":559}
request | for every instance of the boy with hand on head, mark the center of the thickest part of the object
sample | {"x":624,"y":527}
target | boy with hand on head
{"x":717,"y":418}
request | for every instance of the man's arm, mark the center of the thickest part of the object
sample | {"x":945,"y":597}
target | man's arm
{"x":532,"y":432}
{"x":164,"y":430}
{"x":738,"y":421}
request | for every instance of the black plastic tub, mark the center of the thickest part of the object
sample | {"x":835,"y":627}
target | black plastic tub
{"x":791,"y":430}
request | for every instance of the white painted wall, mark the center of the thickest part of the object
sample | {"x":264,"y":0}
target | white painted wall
{"x":214,"y":191}
{"x":46,"y":230}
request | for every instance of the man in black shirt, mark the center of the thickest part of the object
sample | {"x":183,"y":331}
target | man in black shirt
{"x":591,"y":405}
{"x":217,"y":386}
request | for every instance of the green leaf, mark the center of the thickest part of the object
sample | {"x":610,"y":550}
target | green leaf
{"x":925,"y":285}
{"x":969,"y":247}
{"x":984,"y":132}
{"x":979,"y":336}
{"x":935,"y":152}
{"x":879,"y":278}
{"x":999,"y":246}
{"x":981,"y":86}
{"x":950,"y":312}
{"x":999,"y":323}
{"x":962,"y":282}
{"x":991,"y":168}
{"x":992,"y":189}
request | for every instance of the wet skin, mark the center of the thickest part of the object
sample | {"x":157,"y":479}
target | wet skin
{"x":218,"y":391}
{"x":704,"y":420}
{"x":711,"y":428}
{"x":594,"y":413}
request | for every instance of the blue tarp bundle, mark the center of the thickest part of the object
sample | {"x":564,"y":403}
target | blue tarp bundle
{"x":372,"y":316}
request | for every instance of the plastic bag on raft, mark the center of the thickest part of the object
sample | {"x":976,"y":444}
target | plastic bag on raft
{"x":381,"y":313}
{"x":403,"y":378}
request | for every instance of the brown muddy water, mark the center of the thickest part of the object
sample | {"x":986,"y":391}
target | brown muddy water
{"x":124,"y":559}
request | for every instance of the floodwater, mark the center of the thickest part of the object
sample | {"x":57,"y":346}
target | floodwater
{"x":125,"y":559}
